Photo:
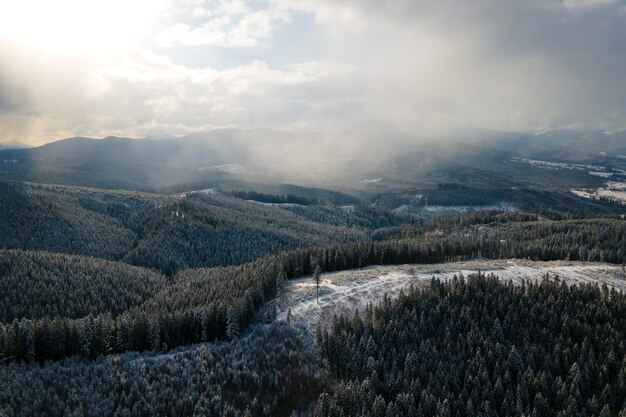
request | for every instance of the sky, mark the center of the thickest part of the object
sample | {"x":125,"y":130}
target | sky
{"x":421,"y":68}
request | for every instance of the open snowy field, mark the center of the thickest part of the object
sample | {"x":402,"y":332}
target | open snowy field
{"x":347,"y":291}
{"x":614,"y":190}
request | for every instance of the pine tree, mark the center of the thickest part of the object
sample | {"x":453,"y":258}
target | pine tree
{"x":606,"y":411}
{"x":155,"y":336}
{"x":281,"y":291}
{"x":322,"y":408}
{"x":27,"y":334}
{"x":85,"y":334}
{"x":123,"y":336}
{"x":2,"y":348}
{"x":232,"y":323}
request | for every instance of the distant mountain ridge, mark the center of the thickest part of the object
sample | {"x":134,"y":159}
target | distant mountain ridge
{"x":13,"y":145}
{"x":197,"y":148}
{"x":308,"y":158}
{"x":583,"y":145}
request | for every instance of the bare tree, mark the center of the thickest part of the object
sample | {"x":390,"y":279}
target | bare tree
{"x":316,"y":276}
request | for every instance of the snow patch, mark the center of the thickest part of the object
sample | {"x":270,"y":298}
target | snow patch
{"x":601,"y":174}
{"x":403,"y":207}
{"x":275,"y":204}
{"x":209,"y":191}
{"x":348,"y":209}
{"x":371,"y":181}
{"x":228,"y":168}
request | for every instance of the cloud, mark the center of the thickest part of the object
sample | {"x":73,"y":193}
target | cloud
{"x":225,"y":24}
{"x":499,"y":64}
{"x":147,"y":93}
{"x":248,"y":32}
{"x":412,"y":66}
{"x":220,"y":8}
{"x":585,"y":4}
{"x":247,"y":96}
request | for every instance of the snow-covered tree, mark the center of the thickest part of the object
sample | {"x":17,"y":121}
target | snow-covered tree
{"x":232,"y":323}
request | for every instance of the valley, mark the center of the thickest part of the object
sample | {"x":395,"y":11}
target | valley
{"x":328,"y":208}
{"x":135,"y":285}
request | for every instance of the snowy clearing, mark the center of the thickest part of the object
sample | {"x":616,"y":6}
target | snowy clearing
{"x":503,"y":206}
{"x":614,"y":190}
{"x":346,"y":291}
{"x":555,"y":166}
{"x":616,"y":185}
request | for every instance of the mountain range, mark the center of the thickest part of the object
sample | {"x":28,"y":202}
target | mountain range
{"x":309,"y":158}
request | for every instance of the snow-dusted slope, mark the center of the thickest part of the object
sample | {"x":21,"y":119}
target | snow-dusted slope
{"x":349,"y":290}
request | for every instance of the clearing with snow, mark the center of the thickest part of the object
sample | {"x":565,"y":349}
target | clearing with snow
{"x":347,"y":291}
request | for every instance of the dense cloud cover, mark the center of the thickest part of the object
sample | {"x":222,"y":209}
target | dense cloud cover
{"x":413,"y":67}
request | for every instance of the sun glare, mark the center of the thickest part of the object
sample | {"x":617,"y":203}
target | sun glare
{"x":83,"y":26}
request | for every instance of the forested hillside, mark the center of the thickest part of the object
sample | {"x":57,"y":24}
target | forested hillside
{"x":470,"y":345}
{"x":172,"y":233}
{"x":201,"y":230}
{"x":547,"y":201}
{"x":102,"y":273}
{"x":42,"y":284}
{"x":212,"y":304}
{"x":478,"y":347}
{"x":270,"y":372}
{"x":54,"y":223}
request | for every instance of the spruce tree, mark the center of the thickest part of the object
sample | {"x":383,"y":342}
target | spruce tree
{"x":232,"y":323}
